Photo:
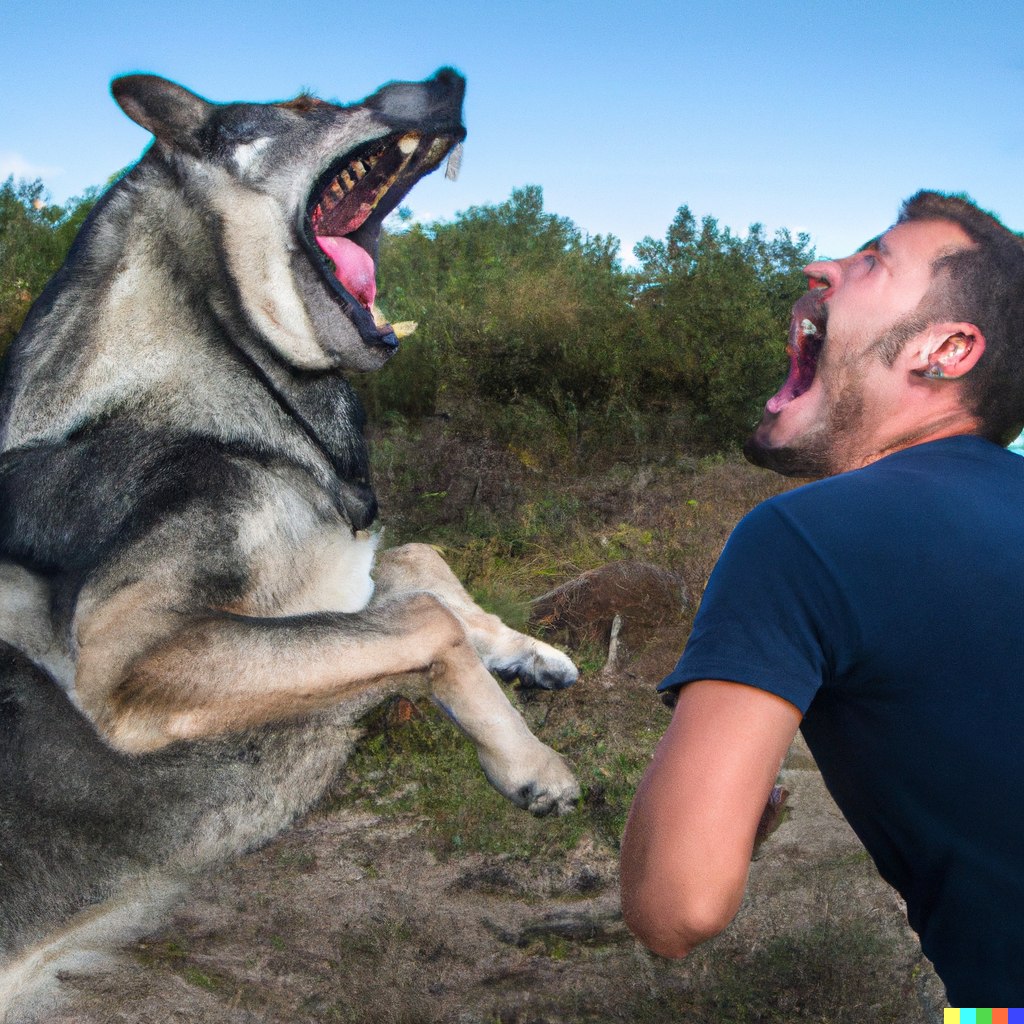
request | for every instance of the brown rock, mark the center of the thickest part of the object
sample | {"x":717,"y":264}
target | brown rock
{"x":645,"y":596}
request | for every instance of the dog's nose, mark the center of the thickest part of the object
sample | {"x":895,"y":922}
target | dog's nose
{"x":434,"y":104}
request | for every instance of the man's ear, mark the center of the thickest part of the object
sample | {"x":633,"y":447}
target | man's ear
{"x":946,"y":351}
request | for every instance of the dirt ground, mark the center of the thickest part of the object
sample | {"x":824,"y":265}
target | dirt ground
{"x":352,"y":917}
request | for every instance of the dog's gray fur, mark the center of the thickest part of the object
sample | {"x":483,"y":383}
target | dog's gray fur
{"x":188,"y":625}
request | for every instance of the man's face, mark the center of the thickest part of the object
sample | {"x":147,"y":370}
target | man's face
{"x":841,"y":389}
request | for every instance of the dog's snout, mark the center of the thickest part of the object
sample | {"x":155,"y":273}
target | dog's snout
{"x":434,"y":104}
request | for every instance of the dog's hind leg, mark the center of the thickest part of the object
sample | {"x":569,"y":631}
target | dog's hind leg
{"x":503,"y":650}
{"x":89,"y":941}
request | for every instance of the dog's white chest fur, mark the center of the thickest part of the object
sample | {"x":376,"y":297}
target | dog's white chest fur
{"x":298,"y":564}
{"x":337,"y":576}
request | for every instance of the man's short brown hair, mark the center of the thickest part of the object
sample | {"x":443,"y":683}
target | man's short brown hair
{"x":982,"y":285}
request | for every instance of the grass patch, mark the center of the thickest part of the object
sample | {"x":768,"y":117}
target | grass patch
{"x":425,"y":767}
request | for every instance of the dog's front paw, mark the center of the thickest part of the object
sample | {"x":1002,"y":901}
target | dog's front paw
{"x":554,"y":791}
{"x":539,"y":667}
{"x":541,"y":782}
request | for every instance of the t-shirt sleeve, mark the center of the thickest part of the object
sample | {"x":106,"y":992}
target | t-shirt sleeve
{"x":771,"y":615}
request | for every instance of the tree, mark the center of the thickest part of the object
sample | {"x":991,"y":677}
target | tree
{"x":34,"y":239}
{"x":515,"y":306}
{"x":716,"y":311}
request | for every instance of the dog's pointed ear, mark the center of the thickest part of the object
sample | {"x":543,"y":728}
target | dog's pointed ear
{"x":172,"y":113}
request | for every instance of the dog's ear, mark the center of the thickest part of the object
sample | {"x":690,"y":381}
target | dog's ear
{"x":173,"y":114}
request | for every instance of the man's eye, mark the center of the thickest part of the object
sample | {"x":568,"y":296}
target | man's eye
{"x":870,"y":260}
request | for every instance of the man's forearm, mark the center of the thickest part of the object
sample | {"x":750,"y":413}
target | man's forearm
{"x":686,"y":849}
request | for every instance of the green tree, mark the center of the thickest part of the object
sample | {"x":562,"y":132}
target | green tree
{"x":516,"y":306}
{"x":716,"y":310}
{"x":35,"y":236}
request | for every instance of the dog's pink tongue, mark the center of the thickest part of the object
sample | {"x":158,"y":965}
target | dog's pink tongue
{"x":353,"y":267}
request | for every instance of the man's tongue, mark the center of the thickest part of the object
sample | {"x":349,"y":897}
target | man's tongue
{"x":353,"y":267}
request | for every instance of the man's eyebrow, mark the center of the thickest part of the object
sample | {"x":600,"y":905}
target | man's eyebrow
{"x":877,"y":244}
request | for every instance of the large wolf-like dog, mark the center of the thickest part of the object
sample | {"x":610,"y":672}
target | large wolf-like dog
{"x":189,"y":621}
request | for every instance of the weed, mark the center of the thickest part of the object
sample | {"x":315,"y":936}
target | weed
{"x":197,"y":978}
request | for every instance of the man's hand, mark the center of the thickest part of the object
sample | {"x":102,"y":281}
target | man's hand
{"x":686,"y":849}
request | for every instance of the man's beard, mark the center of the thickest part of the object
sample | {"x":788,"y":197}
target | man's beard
{"x":828,"y":448}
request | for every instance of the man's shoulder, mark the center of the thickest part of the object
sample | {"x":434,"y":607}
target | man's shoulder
{"x":946,"y":464}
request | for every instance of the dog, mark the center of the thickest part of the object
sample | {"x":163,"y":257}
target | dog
{"x":192,"y":611}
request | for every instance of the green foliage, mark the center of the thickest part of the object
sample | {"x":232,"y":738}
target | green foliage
{"x":516,"y":307}
{"x":35,"y":236}
{"x":537,"y":328}
{"x":530,"y":330}
{"x":716,"y":309}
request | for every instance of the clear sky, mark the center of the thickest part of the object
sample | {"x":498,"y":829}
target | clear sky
{"x":812,"y":115}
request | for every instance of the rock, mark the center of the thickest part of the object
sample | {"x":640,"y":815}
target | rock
{"x":645,"y":596}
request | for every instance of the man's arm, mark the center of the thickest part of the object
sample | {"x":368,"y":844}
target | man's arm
{"x":686,"y":849}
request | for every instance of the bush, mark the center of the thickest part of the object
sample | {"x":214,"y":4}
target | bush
{"x":535,"y":326}
{"x":716,"y":309}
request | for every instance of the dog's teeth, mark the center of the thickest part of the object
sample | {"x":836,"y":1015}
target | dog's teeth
{"x":808,"y":327}
{"x":404,"y":328}
{"x":358,"y":168}
{"x":408,"y":143}
{"x":451,"y":171}
{"x":336,"y":190}
{"x":346,"y":181}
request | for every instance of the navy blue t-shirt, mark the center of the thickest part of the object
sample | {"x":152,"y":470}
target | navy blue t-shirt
{"x":887,"y":604}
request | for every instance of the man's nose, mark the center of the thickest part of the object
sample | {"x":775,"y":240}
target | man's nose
{"x":823,"y":274}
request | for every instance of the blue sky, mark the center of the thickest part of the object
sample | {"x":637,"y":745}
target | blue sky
{"x":815,"y":116}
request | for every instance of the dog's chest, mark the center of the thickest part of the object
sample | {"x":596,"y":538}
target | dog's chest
{"x":298,"y":564}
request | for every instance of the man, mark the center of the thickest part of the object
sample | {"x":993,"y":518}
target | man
{"x":881,"y":610}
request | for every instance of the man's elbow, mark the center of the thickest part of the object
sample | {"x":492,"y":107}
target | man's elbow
{"x":671,"y":930}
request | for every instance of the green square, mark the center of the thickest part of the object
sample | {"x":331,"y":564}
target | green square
{"x":983,"y":1016}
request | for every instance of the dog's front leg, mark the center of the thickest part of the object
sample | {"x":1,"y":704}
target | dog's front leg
{"x":503,"y":650}
{"x":515,"y":762}
{"x":214,"y":674}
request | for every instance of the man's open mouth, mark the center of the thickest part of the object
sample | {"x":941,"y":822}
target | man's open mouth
{"x":806,"y":336}
{"x":346,"y":209}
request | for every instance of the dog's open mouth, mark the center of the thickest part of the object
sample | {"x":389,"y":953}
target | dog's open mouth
{"x":346,"y":209}
{"x":806,"y":336}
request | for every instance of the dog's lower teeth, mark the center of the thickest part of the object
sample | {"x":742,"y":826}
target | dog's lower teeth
{"x":347,"y":183}
{"x":358,"y":168}
{"x":408,"y":143}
